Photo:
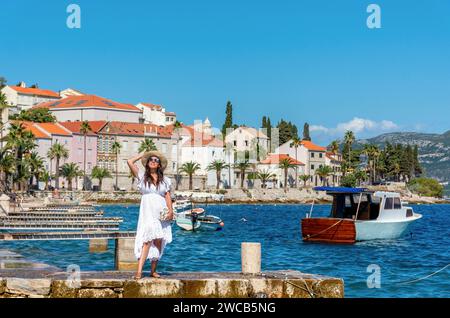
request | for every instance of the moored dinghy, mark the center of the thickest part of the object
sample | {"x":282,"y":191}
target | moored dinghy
{"x":358,"y":214}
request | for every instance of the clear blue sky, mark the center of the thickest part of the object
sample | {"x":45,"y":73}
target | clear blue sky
{"x":312,"y":61}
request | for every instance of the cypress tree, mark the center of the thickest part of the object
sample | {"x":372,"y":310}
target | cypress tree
{"x":228,"y":119}
{"x":306,"y":135}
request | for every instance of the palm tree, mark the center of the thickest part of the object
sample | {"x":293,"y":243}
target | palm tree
{"x":6,"y":167}
{"x":190,"y":168}
{"x":176,"y":129}
{"x":349,"y":139}
{"x":100,"y":174}
{"x":70,"y":171}
{"x":360,"y":176}
{"x":36,"y":165}
{"x":21,"y":142}
{"x":242,"y":167}
{"x":296,"y":142}
{"x":57,"y":151}
{"x":286,"y":164}
{"x":323,"y":172}
{"x":116,"y":150}
{"x":147,"y":145}
{"x":264,"y":176}
{"x":218,"y":166}
{"x":45,"y":176}
{"x":85,"y":128}
{"x":3,"y":106}
{"x":334,"y":147}
{"x":305,"y":178}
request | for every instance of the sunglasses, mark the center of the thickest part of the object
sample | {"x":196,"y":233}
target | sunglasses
{"x":154,"y":159}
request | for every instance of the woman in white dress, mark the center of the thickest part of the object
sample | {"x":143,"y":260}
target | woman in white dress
{"x":152,"y":234}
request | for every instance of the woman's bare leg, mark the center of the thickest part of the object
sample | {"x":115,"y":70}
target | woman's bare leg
{"x":143,"y":258}
{"x":157,"y":244}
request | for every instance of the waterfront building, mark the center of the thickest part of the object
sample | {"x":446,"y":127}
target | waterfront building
{"x":334,"y":160}
{"x":312,"y":155}
{"x":272,"y":163}
{"x":130,"y":136}
{"x":23,"y":98}
{"x":92,"y":108}
{"x":200,"y":145}
{"x":156,"y":114}
{"x":244,"y":141}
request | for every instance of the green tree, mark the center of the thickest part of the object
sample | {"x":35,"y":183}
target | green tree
{"x":100,"y":174}
{"x":323,"y":172}
{"x":305,"y":178}
{"x":21,"y":142}
{"x":349,"y":139}
{"x":242,"y":166}
{"x":7,"y":168}
{"x":265,"y":175}
{"x":426,"y":187}
{"x":217,"y":166}
{"x":2,"y":82}
{"x":306,"y":135}
{"x":45,"y":177}
{"x":36,"y":164}
{"x":286,"y":131}
{"x":349,"y":180}
{"x":190,"y":168}
{"x":85,"y":128}
{"x":177,"y":129}
{"x":70,"y":171}
{"x":57,"y":151}
{"x":147,"y":145}
{"x":37,"y":115}
{"x":228,"y":119}
{"x":334,"y":147}
{"x":286,"y":164}
{"x":296,"y":143}
{"x":116,"y":146}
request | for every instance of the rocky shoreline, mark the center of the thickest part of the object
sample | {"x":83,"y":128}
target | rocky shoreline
{"x":241,"y":196}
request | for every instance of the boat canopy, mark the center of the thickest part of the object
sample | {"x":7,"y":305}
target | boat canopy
{"x":341,"y":190}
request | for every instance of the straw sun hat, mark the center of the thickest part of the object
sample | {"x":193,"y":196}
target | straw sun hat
{"x":158,"y":154}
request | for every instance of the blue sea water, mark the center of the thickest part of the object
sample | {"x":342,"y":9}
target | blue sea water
{"x":409,"y":267}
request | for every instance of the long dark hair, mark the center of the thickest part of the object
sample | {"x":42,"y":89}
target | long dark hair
{"x":148,"y":179}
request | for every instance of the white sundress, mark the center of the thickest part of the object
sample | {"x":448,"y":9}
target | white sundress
{"x":149,"y":226}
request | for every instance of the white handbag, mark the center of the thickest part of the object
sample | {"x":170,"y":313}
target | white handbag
{"x":163,"y":214}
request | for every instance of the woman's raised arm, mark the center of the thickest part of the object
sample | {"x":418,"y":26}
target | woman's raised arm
{"x":132,"y":164}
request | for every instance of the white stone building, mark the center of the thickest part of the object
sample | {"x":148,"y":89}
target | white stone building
{"x":23,"y":98}
{"x":156,"y":114}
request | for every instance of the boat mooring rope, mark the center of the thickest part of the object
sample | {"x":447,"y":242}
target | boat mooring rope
{"x":323,"y":231}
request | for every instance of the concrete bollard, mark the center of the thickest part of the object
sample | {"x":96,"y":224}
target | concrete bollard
{"x":124,"y":258}
{"x":98,"y":245}
{"x":251,"y":258}
{"x":5,"y":206}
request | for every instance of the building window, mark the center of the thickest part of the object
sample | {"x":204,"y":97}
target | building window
{"x":320,"y":155}
{"x":312,"y":167}
{"x":312,"y":154}
{"x":234,"y":143}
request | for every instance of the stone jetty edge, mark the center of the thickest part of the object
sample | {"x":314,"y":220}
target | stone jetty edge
{"x":276,"y":284}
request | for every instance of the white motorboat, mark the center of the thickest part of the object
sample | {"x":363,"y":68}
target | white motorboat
{"x":358,"y":214}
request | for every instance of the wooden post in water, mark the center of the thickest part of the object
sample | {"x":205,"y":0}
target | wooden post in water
{"x":251,"y":258}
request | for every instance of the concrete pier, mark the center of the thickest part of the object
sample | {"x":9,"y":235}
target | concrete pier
{"x":125,"y":258}
{"x":98,"y":245}
{"x":277,"y":284}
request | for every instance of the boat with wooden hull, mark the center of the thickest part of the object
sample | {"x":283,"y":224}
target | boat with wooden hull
{"x":359,"y":215}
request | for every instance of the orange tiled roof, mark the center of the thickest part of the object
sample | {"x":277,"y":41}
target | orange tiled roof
{"x":87,"y":101}
{"x":311,"y":146}
{"x":170,"y":114}
{"x":35,"y":91}
{"x":273,"y":158}
{"x":54,"y":129}
{"x":136,"y":129}
{"x":75,"y":126}
{"x":37,"y":133}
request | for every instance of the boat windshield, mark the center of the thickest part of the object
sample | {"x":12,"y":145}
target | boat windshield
{"x":345,"y":206}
